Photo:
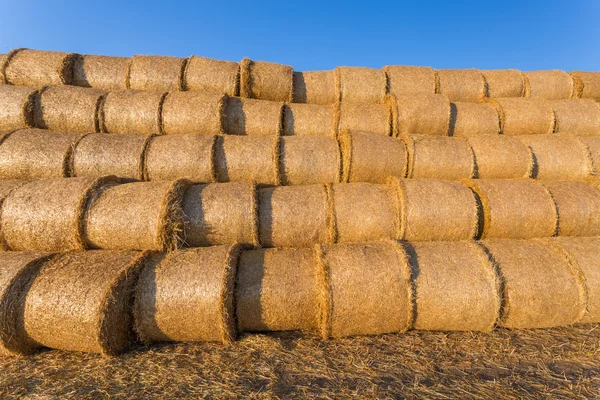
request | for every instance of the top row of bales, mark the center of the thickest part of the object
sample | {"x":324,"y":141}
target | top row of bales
{"x":278,"y":82}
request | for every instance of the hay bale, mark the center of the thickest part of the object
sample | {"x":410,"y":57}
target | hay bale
{"x":298,"y":216}
{"x":3,"y":60}
{"x":365,"y":289}
{"x":132,"y":111}
{"x":558,"y":157}
{"x":456,"y":287}
{"x":68,"y":109}
{"x":580,"y":117}
{"x":368,"y":157}
{"x":593,"y":146}
{"x":589,"y":84}
{"x":266,"y":80}
{"x":16,"y":107}
{"x":252,"y":117}
{"x":247,"y":159}
{"x":157,"y":73}
{"x":277,"y":291}
{"x":504,"y":83}
{"x":100,"y":154}
{"x":39,"y":68}
{"x":525,"y":116}
{"x":80,"y":301}
{"x":101,"y":72}
{"x":47,"y":214}
{"x":540,"y":288}
{"x":192,"y":112}
{"x":6,"y":187}
{"x":361,"y":85}
{"x":549,"y":85}
{"x":578,"y":207}
{"x":515,"y":208}
{"x":462,"y":84}
{"x":500,"y":157}
{"x":138,"y":215}
{"x":437,"y":210}
{"x":315,"y":87}
{"x":180,"y":156}
{"x":308,"y":160}
{"x":188,"y":296}
{"x":365,"y":212}
{"x":474,"y":119}
{"x":220,"y":213}
{"x":309,"y":120}
{"x":427,"y":114}
{"x":408,"y":80}
{"x":209,"y":75}
{"x":368,"y":117}
{"x":439,"y":157}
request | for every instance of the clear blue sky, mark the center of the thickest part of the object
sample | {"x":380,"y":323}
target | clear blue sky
{"x":313,"y":35}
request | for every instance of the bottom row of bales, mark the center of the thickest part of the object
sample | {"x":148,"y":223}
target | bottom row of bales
{"x":102,"y":300}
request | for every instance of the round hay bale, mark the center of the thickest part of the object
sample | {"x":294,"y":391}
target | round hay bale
{"x":474,"y":119}
{"x":99,"y":154}
{"x":188,"y":296}
{"x":504,"y":83}
{"x":558,"y":156}
{"x":437,"y":210}
{"x":192,"y":112}
{"x":68,"y":109}
{"x":589,"y":84}
{"x":361,"y":85}
{"x":39,"y":68}
{"x":138,"y":215}
{"x":308,"y":160}
{"x":540,"y":287}
{"x":214,"y":76}
{"x":80,"y":301}
{"x":157,"y":73}
{"x":266,"y":80}
{"x":220,"y":213}
{"x":16,"y":107}
{"x":525,"y":116}
{"x":549,"y":85}
{"x":247,"y":159}
{"x":439,"y":157}
{"x":462,"y":84}
{"x":368,"y":157}
{"x":519,"y":208}
{"x":180,"y":156}
{"x":580,"y":117}
{"x":309,"y":120}
{"x":408,"y":80}
{"x":500,"y":157}
{"x":368,"y":117}
{"x":252,"y":117}
{"x":101,"y":72}
{"x":315,"y":87}
{"x":456,"y":287}
{"x":365,"y":212}
{"x":295,"y":216}
{"x":365,"y":289}
{"x":427,"y":114}
{"x":277,"y":291}
{"x":132,"y":111}
{"x":593,"y":146}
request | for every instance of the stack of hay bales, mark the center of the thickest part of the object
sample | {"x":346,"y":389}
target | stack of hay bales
{"x":167,"y":199}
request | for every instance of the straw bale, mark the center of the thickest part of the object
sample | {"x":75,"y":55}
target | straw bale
{"x":266,"y":80}
{"x":408,"y":80}
{"x":588,"y":84}
{"x":16,"y":107}
{"x":132,"y":111}
{"x":368,"y":117}
{"x":558,"y":156}
{"x":427,"y":114}
{"x":210,"y":75}
{"x":361,"y":85}
{"x":192,"y":112}
{"x":500,"y":157}
{"x":474,"y":119}
{"x":504,"y":83}
{"x":439,"y":157}
{"x":39,"y":68}
{"x":462,"y":84}
{"x":308,"y":160}
{"x":593,"y":146}
{"x":6,"y":187}
{"x":3,"y":60}
{"x":520,"y":116}
{"x":315,"y":87}
{"x":252,"y":117}
{"x":247,"y":159}
{"x":579,"y":117}
{"x":101,"y":72}
{"x":158,"y":73}
{"x":309,"y":120}
{"x":549,"y":85}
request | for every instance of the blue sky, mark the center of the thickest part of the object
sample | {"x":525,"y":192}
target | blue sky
{"x":312,"y":35}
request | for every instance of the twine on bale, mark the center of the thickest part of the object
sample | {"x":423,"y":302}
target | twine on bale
{"x":37,"y":68}
{"x":474,"y":119}
{"x":579,"y":117}
{"x":361,"y":85}
{"x":266,"y":80}
{"x":549,"y":85}
{"x":462,"y":84}
{"x":587,"y":84}
{"x":214,"y":76}
{"x":252,"y":117}
{"x":500,"y":157}
{"x":427,"y":114}
{"x":156,"y":73}
{"x":408,"y":80}
{"x":309,"y":120}
{"x":315,"y":87}
{"x":101,"y":72}
{"x":368,"y":117}
{"x":520,"y":116}
{"x":439,"y":157}
{"x":193,"y":113}
{"x":132,"y":111}
{"x":309,"y":160}
{"x":592,"y":144}
{"x":16,"y":107}
{"x":501,"y":83}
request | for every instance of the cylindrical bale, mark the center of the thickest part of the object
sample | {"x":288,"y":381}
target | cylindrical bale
{"x":368,"y":157}
{"x":504,"y":83}
{"x":309,"y":120}
{"x":462,"y":84}
{"x":368,"y":117}
{"x":593,"y":146}
{"x":558,"y":156}
{"x":515,"y":208}
{"x":31,"y":154}
{"x":500,"y":157}
{"x":365,"y":212}
{"x":138,"y":215}
{"x":549,"y":85}
{"x":157,"y":73}
{"x":456,"y":287}
{"x":247,"y":159}
{"x":180,"y":156}
{"x":315,"y":87}
{"x":192,"y":112}
{"x":132,"y":111}
{"x":361,"y":85}
{"x":277,"y":290}
{"x":80,"y":301}
{"x":439,"y":157}
{"x":47,"y":214}
{"x":252,"y":117}
{"x":408,"y":80}
{"x":519,"y":116}
{"x":17,"y":272}
{"x":437,"y":210}
{"x":68,"y":109}
{"x":220,"y":213}
{"x":474,"y":119}
{"x":427,"y":114}
{"x":266,"y":80}
{"x":308,"y":160}
{"x":214,"y":76}
{"x":579,"y":117}
{"x":589,"y":84}
{"x":39,"y":68}
{"x":540,"y":287}
{"x":101,"y":72}
{"x":295,"y":216}
{"x":16,"y":107}
{"x":100,"y":154}
{"x":365,"y":289}
{"x":188,"y":296}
